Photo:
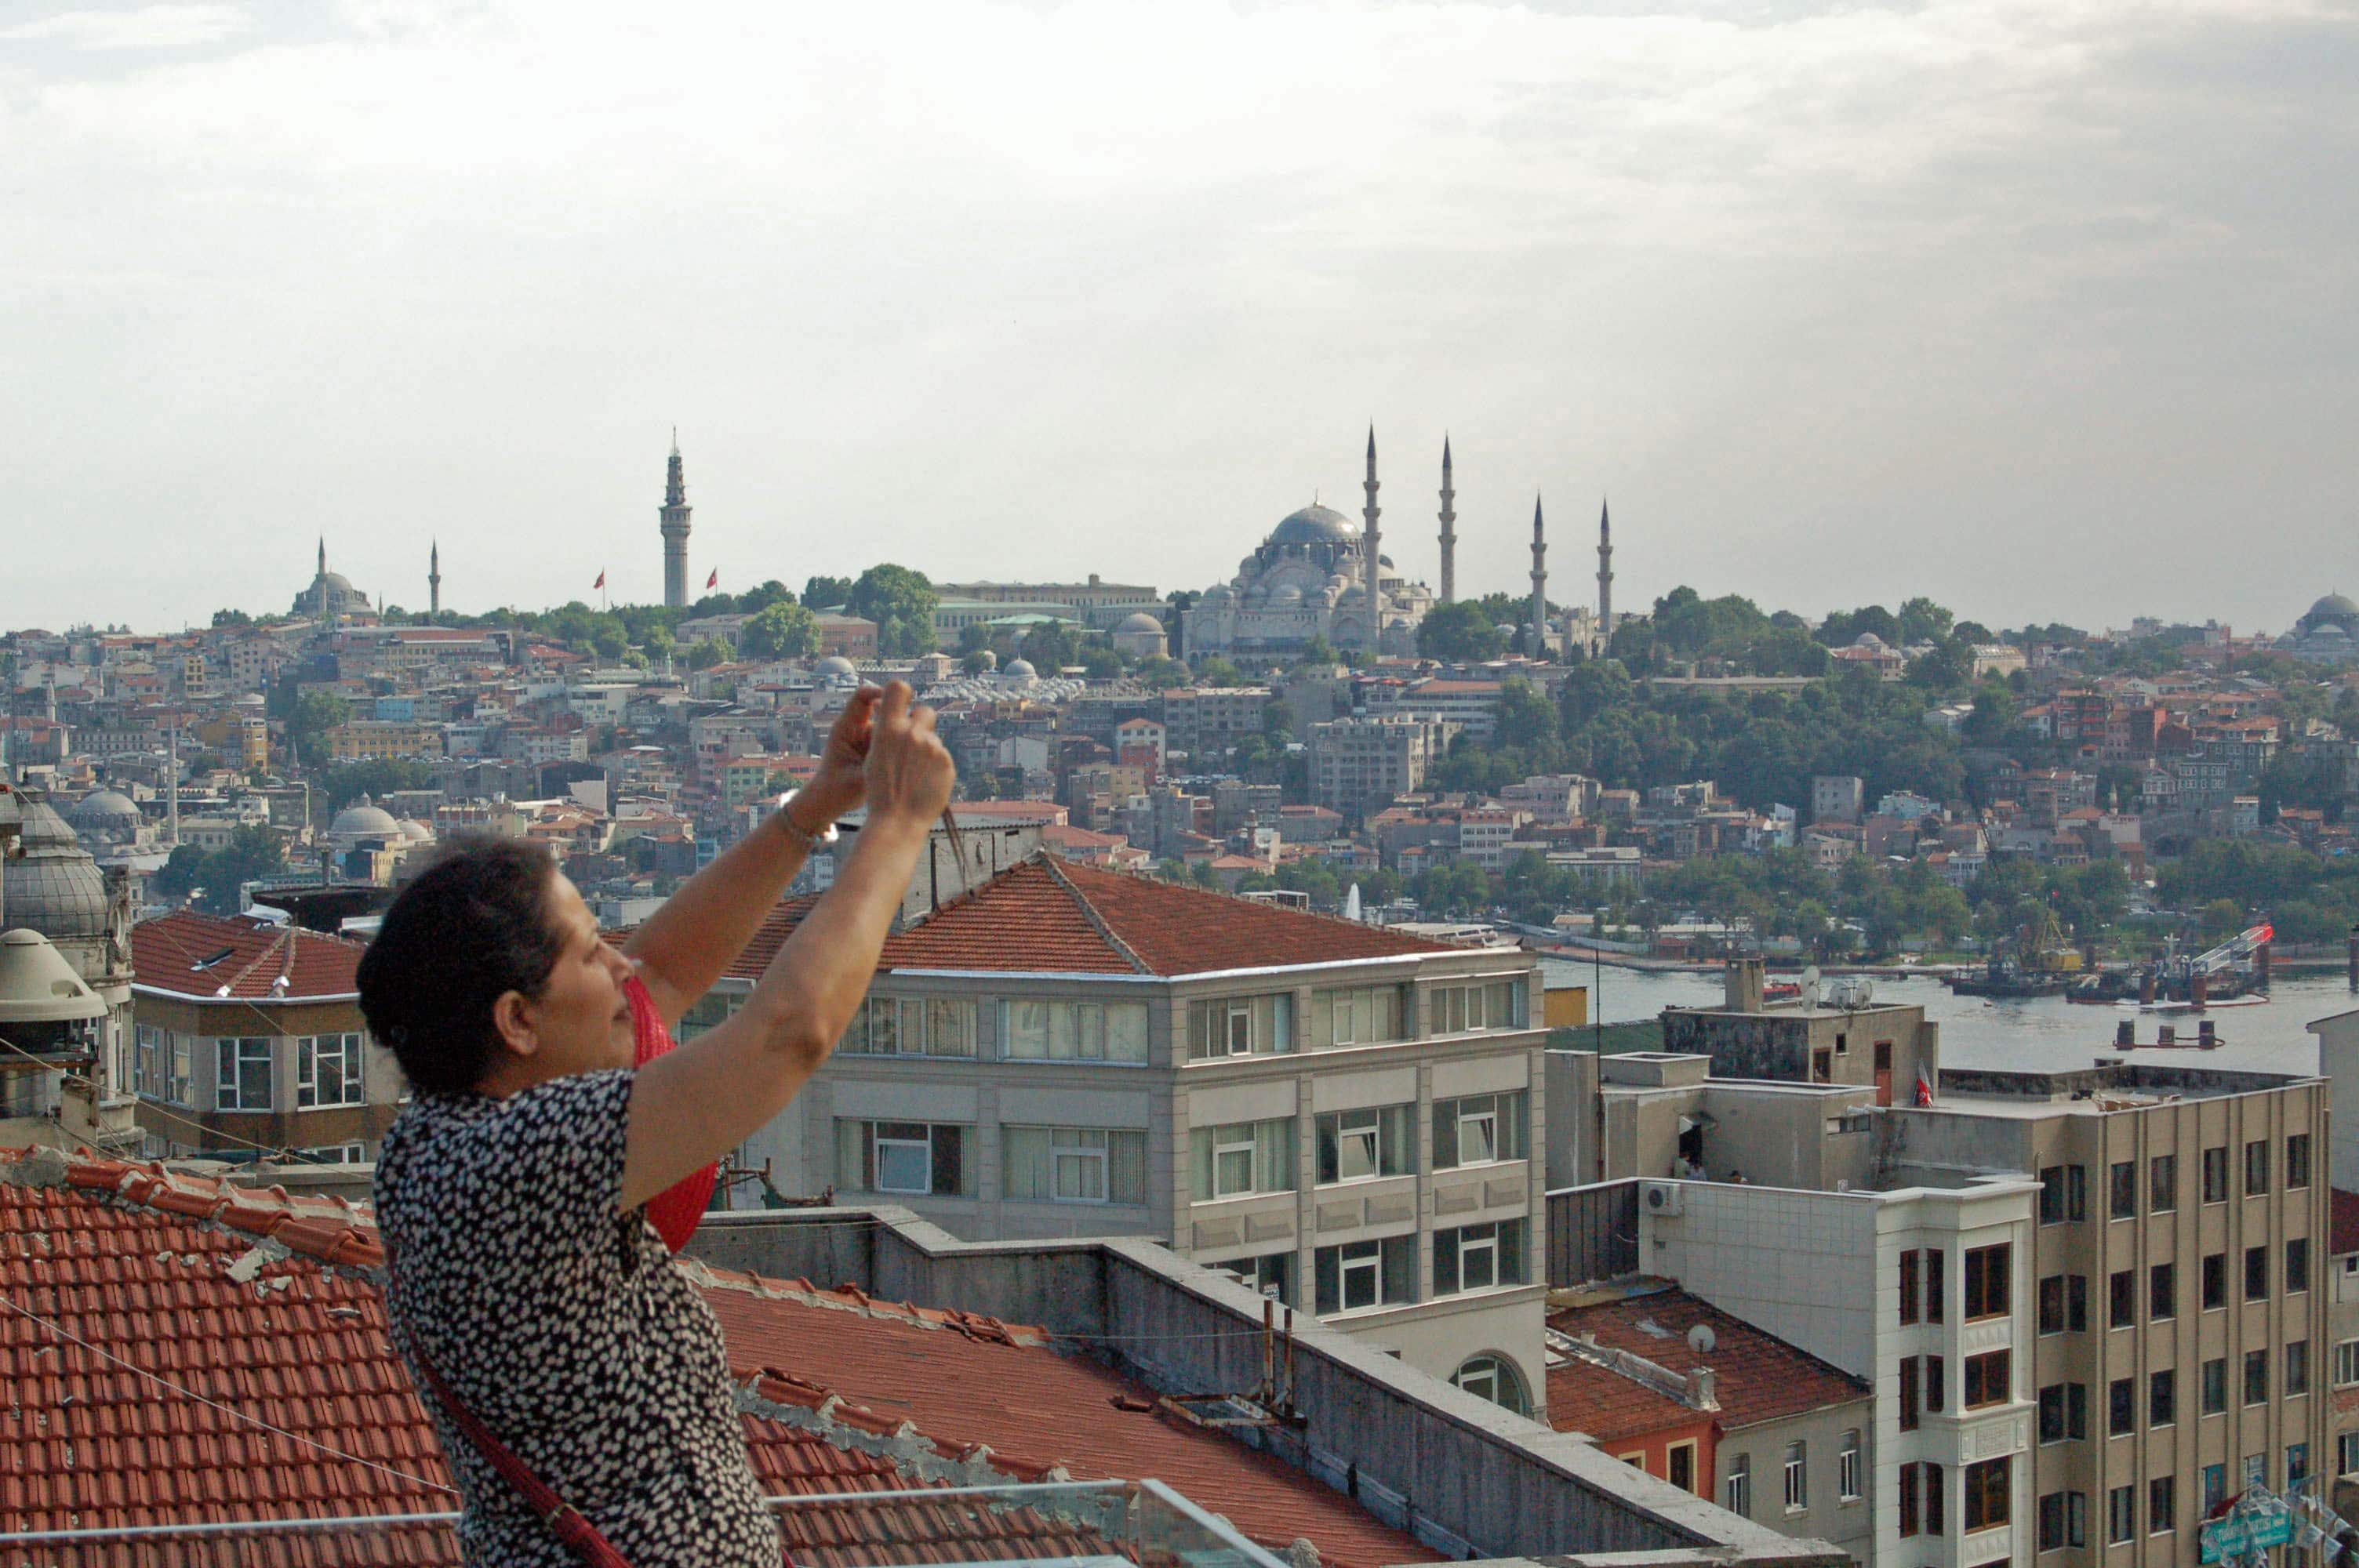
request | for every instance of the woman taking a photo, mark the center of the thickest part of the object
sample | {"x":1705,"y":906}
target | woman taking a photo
{"x":576,"y":1377}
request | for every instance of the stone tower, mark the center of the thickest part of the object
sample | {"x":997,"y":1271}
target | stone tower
{"x":1373,"y":540}
{"x":434,"y":578}
{"x":1449,"y":529}
{"x":324,"y":582}
{"x":1539,"y":584}
{"x":674,"y":530}
{"x":1604,"y":578}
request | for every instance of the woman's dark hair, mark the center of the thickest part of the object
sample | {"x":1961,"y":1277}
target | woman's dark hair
{"x":473,"y":926}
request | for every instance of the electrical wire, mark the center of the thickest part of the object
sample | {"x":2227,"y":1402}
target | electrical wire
{"x":66,"y":1334}
{"x":215,"y":1133}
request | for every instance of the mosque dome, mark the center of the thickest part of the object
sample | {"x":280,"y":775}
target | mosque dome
{"x":1018,"y":671}
{"x":54,"y":887}
{"x":2334,"y":609}
{"x":415,"y":832}
{"x":1140,"y":620}
{"x":105,"y":811}
{"x":1287,"y":595}
{"x":365,"y":819}
{"x":835,"y":667}
{"x":1313,"y":524}
{"x":1867,"y":640}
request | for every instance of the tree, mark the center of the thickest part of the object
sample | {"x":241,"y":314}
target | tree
{"x":313,"y":714}
{"x":232,"y":617}
{"x":780,"y":630}
{"x":1219,"y":672}
{"x":709,"y":652}
{"x":827,"y":592}
{"x":1461,"y":631}
{"x":756,"y":600}
{"x":1922,"y":620}
{"x":659,"y":642}
{"x":1843,"y":628}
{"x":218,"y":877}
{"x":1527,"y":719}
{"x":902,"y":603}
{"x":1051,"y":646}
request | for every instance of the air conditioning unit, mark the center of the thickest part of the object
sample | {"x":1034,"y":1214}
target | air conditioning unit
{"x":1660,"y":1197}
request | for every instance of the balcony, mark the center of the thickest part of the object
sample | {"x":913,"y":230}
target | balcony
{"x":1090,"y":1524}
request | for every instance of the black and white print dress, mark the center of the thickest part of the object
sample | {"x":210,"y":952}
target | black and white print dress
{"x":557,"y":1316}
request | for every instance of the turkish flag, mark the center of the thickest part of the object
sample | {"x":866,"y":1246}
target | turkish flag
{"x":713,"y":581}
{"x":601,"y":582}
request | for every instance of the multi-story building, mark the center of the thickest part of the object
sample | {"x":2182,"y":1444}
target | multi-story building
{"x":1360,"y":764}
{"x":1836,"y":799}
{"x":250,"y":1039}
{"x":378,"y":740}
{"x":1341,"y":1115}
{"x":1205,"y":722}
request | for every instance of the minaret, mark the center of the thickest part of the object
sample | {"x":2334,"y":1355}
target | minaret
{"x":1539,"y":584}
{"x":1604,"y":578}
{"x":324,"y":582}
{"x":1449,"y":529}
{"x":173,"y":767}
{"x":434,"y":579}
{"x":1373,"y":540}
{"x":674,"y":530}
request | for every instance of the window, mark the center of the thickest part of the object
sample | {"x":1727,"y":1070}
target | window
{"x":2256,"y":1273}
{"x":2215,"y":1384}
{"x":2051,"y":1195}
{"x":2121,"y":1407}
{"x":1240,"y":1026}
{"x":2346,"y":1453}
{"x":2161,"y":1293}
{"x":1736,"y":1490}
{"x":2076,"y":1410}
{"x":2076,"y":1193}
{"x":2296,"y":1377}
{"x":921,"y":1159}
{"x":1361,"y":1274}
{"x":1936,"y":1385}
{"x":1355,"y":1145}
{"x":1481,"y":1128}
{"x":1240,"y":1157}
{"x":2215,"y":1282}
{"x":1911,"y":1285}
{"x":2215,"y":1487}
{"x":2162,"y":1184}
{"x":1494,"y":1378}
{"x":1849,"y":1477}
{"x":1920,"y":1499}
{"x":1987,"y":1379}
{"x":2256,"y":1470}
{"x":147,"y":1077}
{"x":2346,"y":1363}
{"x":2216,"y":1174}
{"x":2257,"y":1377}
{"x":2063,"y":1520}
{"x":1271,"y":1274}
{"x":2076,"y":1302}
{"x":1035,"y":1030}
{"x":2297,"y":1463}
{"x":243,"y":1083}
{"x":1988,"y":1490}
{"x":327,"y":1071}
{"x":2256,"y":1167}
{"x":1937,"y":1289}
{"x":2296,"y":1265}
{"x":1074,"y":1164}
{"x":2121,"y":1193}
{"x":2052,"y":1304}
{"x":180,"y":1087}
{"x":1478,"y":1257}
{"x":2120,"y":1308}
{"x":1989,"y":1276}
{"x":2121,"y":1515}
{"x":1363,"y":1015}
{"x":1462,"y":1010}
{"x":2161,"y":1399}
{"x":1797,"y":1478}
{"x":2051,"y":1413}
{"x":1912,"y":1386}
{"x":2162,"y":1505}
{"x":2296,"y":1166}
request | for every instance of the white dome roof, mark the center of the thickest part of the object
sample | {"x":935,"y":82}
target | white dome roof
{"x":1019,"y":669}
{"x":1140,"y":620}
{"x":365,"y":820}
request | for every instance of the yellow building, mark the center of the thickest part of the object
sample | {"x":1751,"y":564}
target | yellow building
{"x":377,"y":740}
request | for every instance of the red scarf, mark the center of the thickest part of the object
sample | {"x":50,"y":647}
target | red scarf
{"x":675,"y":1214}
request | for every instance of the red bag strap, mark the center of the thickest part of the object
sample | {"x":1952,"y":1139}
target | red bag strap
{"x":677,"y":1211}
{"x":561,"y":1516}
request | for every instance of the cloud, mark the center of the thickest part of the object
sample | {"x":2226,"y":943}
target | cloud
{"x":141,"y":27}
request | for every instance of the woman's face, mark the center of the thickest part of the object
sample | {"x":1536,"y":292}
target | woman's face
{"x":581,"y":1021}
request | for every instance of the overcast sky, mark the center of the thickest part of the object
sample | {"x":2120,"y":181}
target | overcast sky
{"x":2044,"y":308}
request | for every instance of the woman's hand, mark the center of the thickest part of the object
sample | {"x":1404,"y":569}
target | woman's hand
{"x":840,"y":784}
{"x":908,"y":773}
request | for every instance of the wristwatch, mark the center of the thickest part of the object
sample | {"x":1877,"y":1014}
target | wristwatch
{"x":807,"y":842}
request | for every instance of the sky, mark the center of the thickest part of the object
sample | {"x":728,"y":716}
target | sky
{"x":2041,"y":307}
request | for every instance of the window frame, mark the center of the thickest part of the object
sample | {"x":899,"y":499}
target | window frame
{"x":352,"y":1052}
{"x":1797,"y":1478}
{"x":232,"y":1058}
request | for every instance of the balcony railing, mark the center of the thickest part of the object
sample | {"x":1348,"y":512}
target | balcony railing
{"x":1077,"y":1524}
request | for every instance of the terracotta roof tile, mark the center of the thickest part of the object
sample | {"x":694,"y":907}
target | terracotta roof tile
{"x":246,"y":955}
{"x":161,"y":1270}
{"x":1608,"y":1407}
{"x":1048,"y":915}
{"x":1757,"y":1376}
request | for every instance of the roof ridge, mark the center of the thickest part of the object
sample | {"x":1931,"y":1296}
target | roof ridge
{"x":230,"y":985}
{"x":1090,"y":913}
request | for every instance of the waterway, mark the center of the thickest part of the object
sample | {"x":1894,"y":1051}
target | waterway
{"x":2039,"y":1032}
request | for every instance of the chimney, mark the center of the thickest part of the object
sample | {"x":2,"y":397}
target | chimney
{"x":2125,"y":1033}
{"x":2206,"y":1033}
{"x":1742,"y":986}
{"x":2167,"y":1036}
{"x":1700,"y":1389}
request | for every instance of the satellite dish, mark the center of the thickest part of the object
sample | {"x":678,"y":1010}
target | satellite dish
{"x":1700,"y":1339}
{"x":1810,"y":986}
{"x":1866,"y":990}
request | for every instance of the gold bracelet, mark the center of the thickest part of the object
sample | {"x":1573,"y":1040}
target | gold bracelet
{"x":808,"y":842}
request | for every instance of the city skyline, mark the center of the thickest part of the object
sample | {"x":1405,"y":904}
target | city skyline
{"x":1978,"y":300}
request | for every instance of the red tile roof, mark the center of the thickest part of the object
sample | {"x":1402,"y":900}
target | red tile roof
{"x":1052,"y":916}
{"x":1608,"y":1406}
{"x":247,"y":956}
{"x":1757,"y":1376}
{"x":161,"y":1272}
{"x":2342,"y":1222}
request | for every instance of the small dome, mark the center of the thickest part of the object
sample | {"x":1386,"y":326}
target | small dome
{"x":415,"y":832}
{"x":365,"y":819}
{"x":1867,"y":640}
{"x":1019,"y":670}
{"x":105,"y":811}
{"x":54,"y":886}
{"x":1313,"y":525}
{"x":835,"y":667}
{"x":1289,"y":594}
{"x":1140,"y":620}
